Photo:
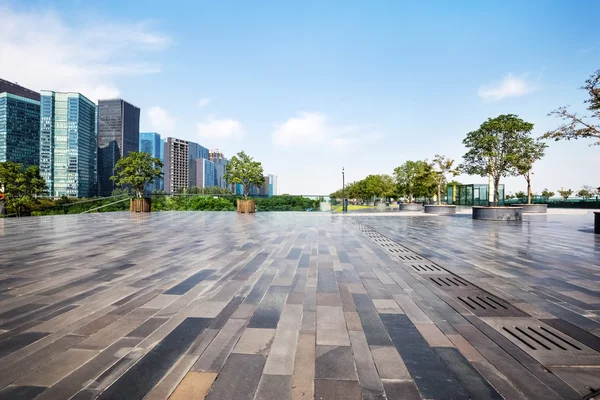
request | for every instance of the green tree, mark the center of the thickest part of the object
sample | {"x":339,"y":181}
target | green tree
{"x":532,"y":150}
{"x":20,"y":187}
{"x":520,"y":195}
{"x":381,"y":186}
{"x":243,"y":169}
{"x":442,"y":166}
{"x":495,"y":149}
{"x":579,"y":126}
{"x":509,"y":196}
{"x":565,"y":194}
{"x":415,"y":179}
{"x":586,"y":192}
{"x":137,"y":170}
{"x":546,"y":194}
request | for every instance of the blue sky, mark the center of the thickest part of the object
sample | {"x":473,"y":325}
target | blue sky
{"x":309,"y":87}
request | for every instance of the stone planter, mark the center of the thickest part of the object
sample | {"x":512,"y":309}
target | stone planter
{"x":246,"y":206}
{"x":440,"y":209}
{"x":533,"y":208}
{"x":140,"y":205}
{"x":597,"y":222}
{"x":498,"y":213}
{"x":411,"y":207}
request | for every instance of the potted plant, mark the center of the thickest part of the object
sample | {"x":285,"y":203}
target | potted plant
{"x":137,"y":170}
{"x":414,"y":179}
{"x":442,"y":166}
{"x":496,"y":150}
{"x":244,"y":170}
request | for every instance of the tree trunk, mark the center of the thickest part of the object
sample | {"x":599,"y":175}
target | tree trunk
{"x":440,"y":194}
{"x":496,"y":191}
{"x":528,"y":179}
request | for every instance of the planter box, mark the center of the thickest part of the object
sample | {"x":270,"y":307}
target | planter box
{"x":411,"y":207}
{"x":440,"y":209}
{"x":533,"y":208}
{"x":246,"y":206}
{"x":140,"y":205}
{"x":498,"y":213}
{"x":597,"y":222}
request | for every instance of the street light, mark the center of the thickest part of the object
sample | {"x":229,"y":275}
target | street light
{"x":344,"y":204}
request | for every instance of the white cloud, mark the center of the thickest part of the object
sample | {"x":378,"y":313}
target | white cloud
{"x":204,"y":102}
{"x":510,"y":86}
{"x":225,"y":128}
{"x":312,"y":128}
{"x":40,"y":50}
{"x":161,"y":121}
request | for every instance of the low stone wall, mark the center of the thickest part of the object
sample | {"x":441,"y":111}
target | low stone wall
{"x":440,"y":210}
{"x":533,"y":208}
{"x":411,"y":207}
{"x":498,"y":213}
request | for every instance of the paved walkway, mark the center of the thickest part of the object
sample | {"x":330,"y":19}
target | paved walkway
{"x":188,"y":305}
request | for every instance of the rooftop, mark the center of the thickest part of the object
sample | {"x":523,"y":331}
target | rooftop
{"x":185,"y":305}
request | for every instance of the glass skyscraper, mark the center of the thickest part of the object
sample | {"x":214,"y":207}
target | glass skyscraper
{"x":118,"y":135}
{"x":68,"y":144}
{"x":19,"y":124}
{"x":220,"y":167}
{"x":151,"y":143}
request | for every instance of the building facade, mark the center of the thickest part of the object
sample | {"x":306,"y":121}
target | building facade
{"x":68,"y":144}
{"x":19,"y":124}
{"x":151,"y":143}
{"x":205,"y":173}
{"x":176,"y":153}
{"x":118,"y":135}
{"x":220,"y":168}
{"x":196,"y":152}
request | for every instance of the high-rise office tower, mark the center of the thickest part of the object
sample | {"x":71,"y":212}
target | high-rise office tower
{"x":68,"y":144}
{"x":205,"y":173}
{"x":196,"y":151}
{"x":220,"y":167}
{"x":176,"y":165}
{"x":151,"y":143}
{"x":118,"y":134}
{"x":19,"y":124}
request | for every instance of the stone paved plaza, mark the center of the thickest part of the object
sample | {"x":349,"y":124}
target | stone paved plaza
{"x":191,"y":305}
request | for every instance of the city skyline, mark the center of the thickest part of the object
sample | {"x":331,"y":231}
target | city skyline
{"x":403,"y":82}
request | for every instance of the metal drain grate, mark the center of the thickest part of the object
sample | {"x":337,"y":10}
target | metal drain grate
{"x":410,"y":257}
{"x":483,"y":304}
{"x":450,"y":282}
{"x":539,"y":337}
{"x":424,"y":268}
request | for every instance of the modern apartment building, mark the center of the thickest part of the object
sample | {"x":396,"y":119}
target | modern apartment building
{"x":19,"y":124}
{"x":176,"y":165}
{"x":118,"y":135}
{"x":151,"y":143}
{"x":68,"y":144}
{"x":205,"y":173}
{"x":220,"y":167}
{"x":196,"y":152}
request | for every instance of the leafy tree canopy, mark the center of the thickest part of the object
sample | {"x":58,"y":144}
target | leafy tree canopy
{"x":496,"y":148}
{"x":415,"y":179}
{"x":565,"y":194}
{"x":547,"y":193}
{"x":442,"y":167}
{"x":137,"y":170}
{"x":20,"y":186}
{"x":243,"y":169}
{"x":577,"y":126}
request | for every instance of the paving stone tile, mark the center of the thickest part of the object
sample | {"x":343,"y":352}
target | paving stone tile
{"x":374,"y":329}
{"x":274,"y":387}
{"x":304,"y":368}
{"x":389,"y":364}
{"x":255,"y":341}
{"x":433,"y":335}
{"x":337,"y":390}
{"x":269,"y":310}
{"x":57,"y":368}
{"x":334,"y":362}
{"x":142,"y":377}
{"x":400,"y":390}
{"x":239,"y":378}
{"x":387,"y":306}
{"x":215,"y":355}
{"x":20,"y":392}
{"x":331,"y":326}
{"x":370,"y":382}
{"x":195,"y":385}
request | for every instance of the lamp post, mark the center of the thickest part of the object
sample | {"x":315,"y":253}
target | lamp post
{"x":344,"y":204}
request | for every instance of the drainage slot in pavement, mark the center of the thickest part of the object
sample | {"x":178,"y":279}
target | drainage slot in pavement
{"x":449,"y":282}
{"x":544,"y":338}
{"x":428,"y":268}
